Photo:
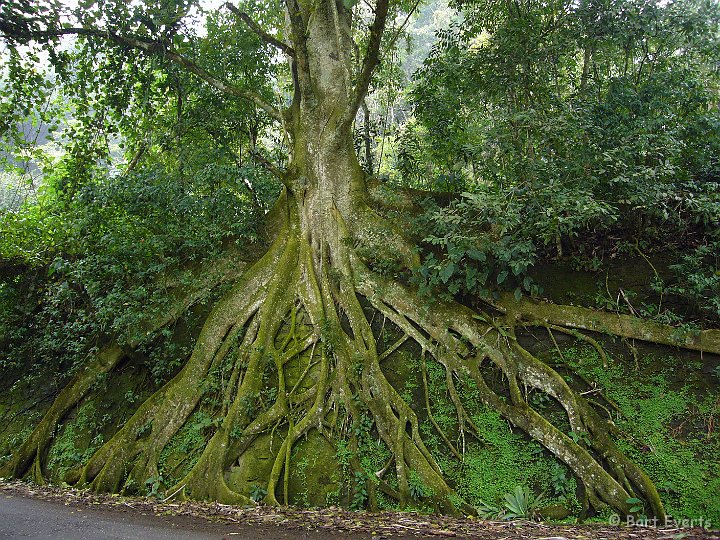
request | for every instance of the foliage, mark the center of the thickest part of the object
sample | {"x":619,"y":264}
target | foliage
{"x":417,"y":489}
{"x":666,"y":426}
{"x":77,"y":440}
{"x":360,"y":493}
{"x":153,"y":485}
{"x":521,"y":503}
{"x":184,"y":449}
{"x":138,"y":171}
{"x":258,"y":493}
{"x":636,"y":505}
{"x":574,"y":127}
{"x":100,"y":256}
{"x":697,"y":276}
{"x":489,"y":238}
{"x":567,"y":123}
{"x":561,"y":485}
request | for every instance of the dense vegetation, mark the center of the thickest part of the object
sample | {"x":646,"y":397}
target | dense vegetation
{"x":243,"y":254}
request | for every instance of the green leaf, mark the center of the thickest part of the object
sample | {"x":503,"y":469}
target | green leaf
{"x":476,"y":254}
{"x":447,"y":272}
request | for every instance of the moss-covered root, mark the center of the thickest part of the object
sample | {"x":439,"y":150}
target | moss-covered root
{"x":583,"y":418}
{"x":312,"y":418}
{"x":396,"y":422}
{"x":206,"y":479}
{"x":446,"y":331}
{"x":135,"y":448}
{"x":30,"y":455}
{"x":581,"y":318}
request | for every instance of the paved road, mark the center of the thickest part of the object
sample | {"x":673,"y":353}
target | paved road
{"x":22,"y":517}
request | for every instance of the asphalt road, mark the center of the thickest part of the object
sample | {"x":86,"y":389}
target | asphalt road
{"x":22,"y":517}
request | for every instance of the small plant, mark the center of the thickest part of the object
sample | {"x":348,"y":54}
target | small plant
{"x":269,"y":394}
{"x":536,"y":450}
{"x":521,"y":503}
{"x":343,"y":453}
{"x":489,"y":511}
{"x":248,"y":404}
{"x":144,"y":430}
{"x":258,"y":493}
{"x":97,"y":440}
{"x":560,"y":482}
{"x":540,"y":400}
{"x":363,"y":426}
{"x":580,"y":437}
{"x":153,"y":485}
{"x":685,"y":331}
{"x":417,"y":488}
{"x":668,"y":487}
{"x":360,"y":495}
{"x":236,"y":432}
{"x":636,"y":505}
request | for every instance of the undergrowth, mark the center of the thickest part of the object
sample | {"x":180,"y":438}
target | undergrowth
{"x":75,"y":443}
{"x":502,"y":459}
{"x":666,"y":427}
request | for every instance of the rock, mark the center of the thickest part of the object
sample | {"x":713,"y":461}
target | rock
{"x":554,"y":512}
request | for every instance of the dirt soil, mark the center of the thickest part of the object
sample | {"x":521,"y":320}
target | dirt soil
{"x":212,"y":520}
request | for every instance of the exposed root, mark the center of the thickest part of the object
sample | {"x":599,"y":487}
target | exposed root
{"x":130,"y":457}
{"x":608,"y":476}
{"x":582,"y":337}
{"x":305,"y":303}
{"x":32,"y":452}
{"x":610,"y":323}
{"x":440,"y":431}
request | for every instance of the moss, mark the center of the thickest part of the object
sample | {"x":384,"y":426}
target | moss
{"x":314,"y":473}
{"x":254,"y":465}
{"x":184,"y":448}
{"x":501,"y":459}
{"x":77,"y":440}
{"x":402,"y":370}
{"x":666,"y":428}
{"x":20,"y":412}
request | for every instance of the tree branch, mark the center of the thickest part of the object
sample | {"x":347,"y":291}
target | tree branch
{"x":149,"y":47}
{"x":300,"y":69}
{"x":255,"y":27}
{"x":371,"y":60}
{"x":136,"y":157}
{"x":400,"y":28}
{"x":222,"y":85}
{"x":262,"y":160}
